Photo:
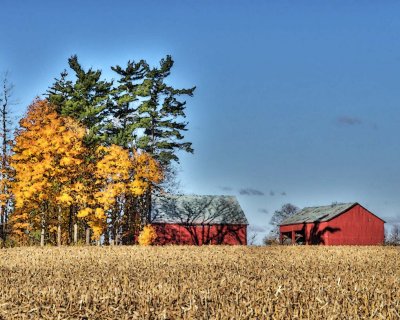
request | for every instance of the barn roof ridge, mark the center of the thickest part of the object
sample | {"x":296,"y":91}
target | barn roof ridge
{"x":198,"y":195}
{"x":332,"y":205}
{"x":197,"y":209}
{"x":318,"y":213}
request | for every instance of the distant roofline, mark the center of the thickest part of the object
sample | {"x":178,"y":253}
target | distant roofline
{"x":335,"y":216}
{"x":204,"y":224}
{"x":331,"y":205}
{"x":195,"y":195}
{"x":188,"y":196}
{"x":351,"y":205}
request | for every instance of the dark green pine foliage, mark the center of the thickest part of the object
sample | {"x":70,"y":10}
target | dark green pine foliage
{"x":85,"y":99}
{"x":161,"y":116}
{"x":132,"y":88}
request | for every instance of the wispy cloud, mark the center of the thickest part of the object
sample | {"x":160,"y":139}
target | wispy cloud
{"x":348,"y":121}
{"x":225,"y":188}
{"x":392,"y":220}
{"x":255,"y":228}
{"x":251,"y":192}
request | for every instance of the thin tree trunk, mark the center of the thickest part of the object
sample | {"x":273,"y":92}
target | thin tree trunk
{"x":42,"y":238}
{"x":43,"y":226}
{"x":70,"y":224}
{"x":59,"y":236}
{"x":2,"y":225}
{"x":88,"y":236}
{"x":4,"y":157}
{"x":59,"y":228}
{"x":75,"y":233}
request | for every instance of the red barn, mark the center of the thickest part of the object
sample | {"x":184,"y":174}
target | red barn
{"x":198,"y":220}
{"x":338,"y":224}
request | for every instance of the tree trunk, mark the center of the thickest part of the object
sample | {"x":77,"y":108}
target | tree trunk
{"x":43,"y":224}
{"x":59,"y":228}
{"x":75,"y":233}
{"x":2,"y":225}
{"x":58,"y":236}
{"x":88,"y":236}
{"x":42,"y":238}
{"x":70,"y":224}
{"x":6,"y":94}
{"x":148,"y":216}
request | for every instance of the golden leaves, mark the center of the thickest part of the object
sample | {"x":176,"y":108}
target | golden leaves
{"x":47,"y":160}
{"x":47,"y":153}
{"x":54,"y":171}
{"x":147,"y":236}
{"x":84,"y":212}
{"x":65,"y":199}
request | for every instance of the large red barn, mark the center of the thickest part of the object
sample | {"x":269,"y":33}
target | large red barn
{"x":198,"y":220}
{"x":337,"y":224}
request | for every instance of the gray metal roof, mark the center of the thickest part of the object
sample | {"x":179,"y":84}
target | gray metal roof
{"x":196,"y":209}
{"x":323,"y":213}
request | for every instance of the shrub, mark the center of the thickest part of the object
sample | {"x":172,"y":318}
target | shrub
{"x":147,"y":236}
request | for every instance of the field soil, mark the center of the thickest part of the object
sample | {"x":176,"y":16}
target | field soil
{"x":210,"y":282}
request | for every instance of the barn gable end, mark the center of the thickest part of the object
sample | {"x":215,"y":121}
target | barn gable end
{"x":341,"y":224}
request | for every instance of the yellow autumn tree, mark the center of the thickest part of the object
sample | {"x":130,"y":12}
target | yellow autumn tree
{"x":111,"y":167}
{"x":147,"y":236}
{"x":147,"y":172}
{"x":47,"y":160}
{"x":121,"y":179}
{"x":58,"y":181}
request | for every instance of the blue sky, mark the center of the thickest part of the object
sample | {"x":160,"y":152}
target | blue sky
{"x":296,"y":101}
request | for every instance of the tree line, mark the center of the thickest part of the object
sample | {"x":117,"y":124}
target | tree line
{"x":87,"y":158}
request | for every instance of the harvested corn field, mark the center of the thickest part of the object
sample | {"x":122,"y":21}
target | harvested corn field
{"x":200,"y":283}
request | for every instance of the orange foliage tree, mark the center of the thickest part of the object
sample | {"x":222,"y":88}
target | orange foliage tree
{"x":121,"y":179}
{"x":60,"y":182}
{"x":48,"y":159}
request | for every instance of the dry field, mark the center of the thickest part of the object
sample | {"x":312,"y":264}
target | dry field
{"x":200,"y":283}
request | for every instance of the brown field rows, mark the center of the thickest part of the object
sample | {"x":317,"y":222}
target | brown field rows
{"x":200,"y":283}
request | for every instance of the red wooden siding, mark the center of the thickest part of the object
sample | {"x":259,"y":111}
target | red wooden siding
{"x":200,"y":234}
{"x":357,"y":226}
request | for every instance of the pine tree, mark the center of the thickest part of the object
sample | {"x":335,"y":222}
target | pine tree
{"x":141,"y":112}
{"x":86,"y":99}
{"x":161,"y":116}
{"x":123,"y":113}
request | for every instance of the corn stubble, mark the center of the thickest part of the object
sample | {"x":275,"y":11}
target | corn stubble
{"x":200,"y":283}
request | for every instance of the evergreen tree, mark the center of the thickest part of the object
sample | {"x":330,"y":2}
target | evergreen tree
{"x":123,"y":113}
{"x":86,"y":99}
{"x":161,"y":116}
{"x":140,"y":112}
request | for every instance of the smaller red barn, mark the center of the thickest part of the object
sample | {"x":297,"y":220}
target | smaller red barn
{"x":337,"y":224}
{"x":198,"y":220}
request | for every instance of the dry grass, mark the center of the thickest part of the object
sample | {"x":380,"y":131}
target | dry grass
{"x":200,"y":283}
